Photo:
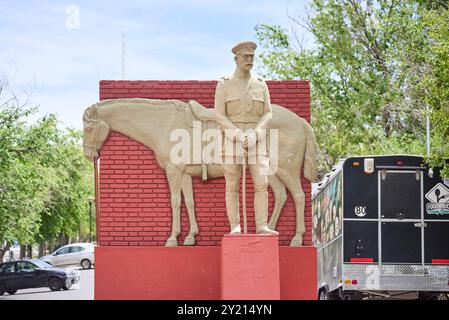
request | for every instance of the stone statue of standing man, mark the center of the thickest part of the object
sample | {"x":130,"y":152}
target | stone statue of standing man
{"x":243,"y":112}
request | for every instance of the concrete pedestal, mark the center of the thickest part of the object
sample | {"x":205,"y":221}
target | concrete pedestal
{"x":250,"y":267}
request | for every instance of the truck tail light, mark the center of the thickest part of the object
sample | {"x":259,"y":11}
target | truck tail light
{"x":369,"y":165}
{"x":440,"y":261}
{"x":362,"y":260}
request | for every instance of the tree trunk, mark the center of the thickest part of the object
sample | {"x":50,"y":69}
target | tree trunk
{"x":60,"y":240}
{"x":3,"y":252}
{"x":41,"y":249}
{"x":22,"y":251}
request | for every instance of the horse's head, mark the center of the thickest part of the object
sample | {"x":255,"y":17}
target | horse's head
{"x":94,"y":134}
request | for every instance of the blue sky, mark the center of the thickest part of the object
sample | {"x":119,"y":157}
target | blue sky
{"x":45,"y":50}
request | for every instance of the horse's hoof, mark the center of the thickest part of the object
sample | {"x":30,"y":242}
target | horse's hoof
{"x":272,"y":225}
{"x":296,"y":241}
{"x":189,"y":241}
{"x":171,"y":243}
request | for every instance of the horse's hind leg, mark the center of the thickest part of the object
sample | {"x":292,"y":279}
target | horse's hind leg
{"x":174,"y":177}
{"x":187,"y":191}
{"x":292,"y":181}
{"x":280,"y":197}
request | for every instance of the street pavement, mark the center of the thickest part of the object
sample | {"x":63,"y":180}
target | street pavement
{"x":83,"y":290}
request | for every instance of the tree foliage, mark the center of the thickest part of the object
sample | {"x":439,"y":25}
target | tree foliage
{"x":375,"y":68}
{"x":45,"y":182}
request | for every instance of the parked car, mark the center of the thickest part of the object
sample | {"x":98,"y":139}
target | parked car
{"x":27,"y":274}
{"x":81,"y":254}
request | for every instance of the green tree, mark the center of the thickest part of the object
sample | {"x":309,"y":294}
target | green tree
{"x":45,"y":183}
{"x":436,"y":80}
{"x":66,"y":210}
{"x":21,"y":197}
{"x":369,"y":69}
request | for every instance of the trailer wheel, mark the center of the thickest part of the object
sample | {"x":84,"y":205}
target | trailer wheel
{"x":424,"y":295}
{"x":443,"y":296}
{"x":352,"y":295}
{"x":335,"y":295}
{"x":323,"y":294}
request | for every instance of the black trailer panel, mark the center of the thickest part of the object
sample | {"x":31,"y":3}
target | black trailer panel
{"x":401,"y":195}
{"x":436,"y":235}
{"x":360,"y":241}
{"x":360,"y":191}
{"x":401,"y":243}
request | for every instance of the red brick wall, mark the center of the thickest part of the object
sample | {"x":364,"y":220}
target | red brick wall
{"x":134,"y":205}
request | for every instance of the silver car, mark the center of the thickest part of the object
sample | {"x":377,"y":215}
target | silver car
{"x":81,"y":254}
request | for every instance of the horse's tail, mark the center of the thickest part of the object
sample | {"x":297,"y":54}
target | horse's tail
{"x":310,"y":155}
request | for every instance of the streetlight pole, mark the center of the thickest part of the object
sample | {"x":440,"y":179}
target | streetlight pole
{"x":90,"y":219}
{"x":90,"y":222}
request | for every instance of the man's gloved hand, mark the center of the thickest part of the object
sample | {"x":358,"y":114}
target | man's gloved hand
{"x":239,"y":136}
{"x":247,"y":139}
{"x":251,"y":139}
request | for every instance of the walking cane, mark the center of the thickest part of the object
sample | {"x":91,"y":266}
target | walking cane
{"x":245,"y":230}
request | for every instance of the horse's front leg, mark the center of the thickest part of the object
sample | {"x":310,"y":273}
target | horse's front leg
{"x":187,"y":191}
{"x":174,"y":177}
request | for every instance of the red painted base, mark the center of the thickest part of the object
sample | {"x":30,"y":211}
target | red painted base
{"x":299,"y":280}
{"x":189,"y":273}
{"x":250,"y":267}
{"x":152,"y":273}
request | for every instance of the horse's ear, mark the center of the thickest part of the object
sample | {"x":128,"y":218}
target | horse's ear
{"x":90,"y":114}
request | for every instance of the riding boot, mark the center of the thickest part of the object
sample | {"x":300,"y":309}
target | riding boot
{"x":261,"y":213}
{"x":232,"y":208}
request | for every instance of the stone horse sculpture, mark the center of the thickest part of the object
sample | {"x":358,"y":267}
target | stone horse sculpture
{"x":151,"y":122}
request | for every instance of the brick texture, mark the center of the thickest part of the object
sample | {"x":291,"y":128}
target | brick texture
{"x":134,"y":199}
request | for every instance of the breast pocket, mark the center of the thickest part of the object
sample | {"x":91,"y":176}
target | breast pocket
{"x":258,"y":103}
{"x":258,"y":106}
{"x":232,"y":106}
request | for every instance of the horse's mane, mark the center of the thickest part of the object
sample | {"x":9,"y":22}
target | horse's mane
{"x":141,"y":101}
{"x":163,"y":105}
